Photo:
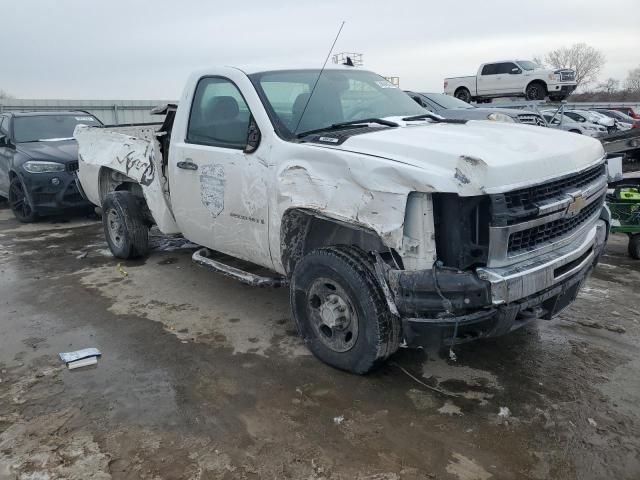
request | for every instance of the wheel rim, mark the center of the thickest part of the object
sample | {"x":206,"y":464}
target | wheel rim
{"x":533,"y":93}
{"x":462,"y":95}
{"x":115,"y":228}
{"x":18,"y":200}
{"x":332,"y":315}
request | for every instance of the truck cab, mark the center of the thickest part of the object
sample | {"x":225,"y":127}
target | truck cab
{"x":390,"y":225}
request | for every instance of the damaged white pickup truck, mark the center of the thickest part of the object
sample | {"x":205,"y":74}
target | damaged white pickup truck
{"x":391,"y":225}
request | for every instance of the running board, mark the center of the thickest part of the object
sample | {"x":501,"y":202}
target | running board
{"x":203,"y":257}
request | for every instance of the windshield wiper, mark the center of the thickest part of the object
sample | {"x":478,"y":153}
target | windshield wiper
{"x":433,"y":117}
{"x":352,"y":123}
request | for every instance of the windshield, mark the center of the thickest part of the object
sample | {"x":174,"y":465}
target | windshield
{"x":49,"y":127}
{"x":446,"y":101}
{"x":340,"y":96}
{"x":527,"y":65}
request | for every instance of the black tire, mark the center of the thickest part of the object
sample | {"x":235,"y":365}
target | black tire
{"x":125,"y":228}
{"x":367,"y":334}
{"x":576,"y":131}
{"x":463,"y":94}
{"x":536,"y":91}
{"x":20,"y":203}
{"x":556,"y":98}
{"x":634,"y":246}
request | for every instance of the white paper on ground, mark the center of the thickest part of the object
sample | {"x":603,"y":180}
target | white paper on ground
{"x":79,"y":354}
{"x":82,"y":363}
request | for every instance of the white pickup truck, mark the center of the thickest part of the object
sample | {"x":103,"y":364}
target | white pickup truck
{"x":391,"y":225}
{"x":512,"y":78}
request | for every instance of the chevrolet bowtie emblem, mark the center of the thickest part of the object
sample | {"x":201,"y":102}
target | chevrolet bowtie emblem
{"x":578,"y":202}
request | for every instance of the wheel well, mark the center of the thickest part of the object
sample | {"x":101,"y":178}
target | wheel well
{"x":110,"y":180}
{"x":538,"y":81}
{"x":12,"y":175}
{"x":461,"y":88}
{"x":302,"y":231}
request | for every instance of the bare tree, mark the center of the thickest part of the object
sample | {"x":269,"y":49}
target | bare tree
{"x":632,"y":83}
{"x":611,"y":85}
{"x":584,"y":59}
{"x":4,"y":94}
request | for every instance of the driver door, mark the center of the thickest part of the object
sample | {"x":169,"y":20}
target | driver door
{"x":219,"y":192}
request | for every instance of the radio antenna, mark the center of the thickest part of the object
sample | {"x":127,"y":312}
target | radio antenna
{"x":318,"y":79}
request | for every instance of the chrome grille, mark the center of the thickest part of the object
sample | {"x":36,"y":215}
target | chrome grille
{"x":528,"y":196}
{"x":534,"y":220}
{"x":530,"y":238}
{"x":567,"y":76}
{"x":531,"y":119}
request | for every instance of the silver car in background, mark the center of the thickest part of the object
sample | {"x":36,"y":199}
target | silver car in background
{"x":563,"y":122}
{"x":586,"y":117}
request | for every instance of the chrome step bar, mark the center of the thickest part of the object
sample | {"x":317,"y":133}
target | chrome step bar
{"x":203,"y":257}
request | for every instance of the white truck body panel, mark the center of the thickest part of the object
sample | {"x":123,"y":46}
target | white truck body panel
{"x":133,"y":152}
{"x":235,"y":201}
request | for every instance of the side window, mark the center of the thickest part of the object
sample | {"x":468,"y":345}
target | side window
{"x":219,"y":115}
{"x":505,"y":68}
{"x":489,"y":69}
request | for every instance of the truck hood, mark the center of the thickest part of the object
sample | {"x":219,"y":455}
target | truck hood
{"x":63,"y":151}
{"x":481,"y":156}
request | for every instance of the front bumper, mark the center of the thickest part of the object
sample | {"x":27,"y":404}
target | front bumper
{"x":559,"y":88}
{"x":495,"y":301}
{"x":45,"y":195}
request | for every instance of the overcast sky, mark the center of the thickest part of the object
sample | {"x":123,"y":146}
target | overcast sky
{"x":144,"y":49}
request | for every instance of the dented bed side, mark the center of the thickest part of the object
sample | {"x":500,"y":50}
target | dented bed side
{"x":132,"y":152}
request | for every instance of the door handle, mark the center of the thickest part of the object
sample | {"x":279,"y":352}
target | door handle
{"x":187,"y":165}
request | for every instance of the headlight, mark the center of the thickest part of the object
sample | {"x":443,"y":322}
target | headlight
{"x":500,"y":117}
{"x":36,"y":166}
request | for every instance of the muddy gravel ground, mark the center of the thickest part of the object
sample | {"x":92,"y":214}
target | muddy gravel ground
{"x":204,"y":378}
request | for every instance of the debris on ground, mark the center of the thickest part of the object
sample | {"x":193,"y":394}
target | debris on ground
{"x":82,"y":255}
{"x":121,"y":270}
{"x":590,"y":323}
{"x":592,"y":422}
{"x":615,"y":328}
{"x":504,"y":412}
{"x":80,"y":358}
{"x":338,"y":420}
{"x":449,"y":408}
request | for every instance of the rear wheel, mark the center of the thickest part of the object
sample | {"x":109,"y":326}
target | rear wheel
{"x":341,"y":311}
{"x":463,"y":94}
{"x":125,"y":228}
{"x":20,"y":203}
{"x":634,"y":246}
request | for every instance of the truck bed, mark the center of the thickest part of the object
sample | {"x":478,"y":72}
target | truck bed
{"x":133,"y":151}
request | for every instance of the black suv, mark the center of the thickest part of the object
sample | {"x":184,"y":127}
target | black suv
{"x":38,"y":159}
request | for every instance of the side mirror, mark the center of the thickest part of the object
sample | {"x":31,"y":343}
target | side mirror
{"x":515,"y":71}
{"x":253,"y":137}
{"x":4,"y":141}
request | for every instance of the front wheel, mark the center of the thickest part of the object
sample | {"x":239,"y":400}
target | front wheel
{"x":536,"y":91}
{"x":125,"y":229}
{"x":341,"y":311}
{"x":20,"y":203}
